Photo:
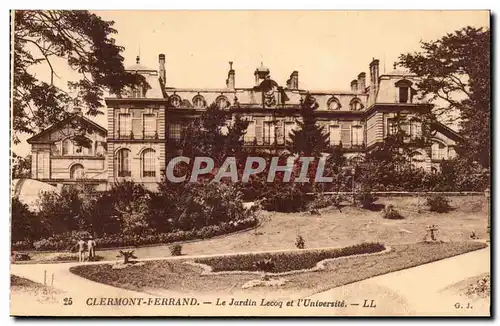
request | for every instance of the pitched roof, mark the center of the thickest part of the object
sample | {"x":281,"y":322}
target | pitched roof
{"x":61,"y":123}
{"x":447,"y":131}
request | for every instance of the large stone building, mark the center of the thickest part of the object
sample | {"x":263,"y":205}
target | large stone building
{"x":143,"y":120}
{"x":71,"y":151}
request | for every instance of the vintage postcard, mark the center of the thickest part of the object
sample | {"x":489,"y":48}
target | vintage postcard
{"x":250,"y":163}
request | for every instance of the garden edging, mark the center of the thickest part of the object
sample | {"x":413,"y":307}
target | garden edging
{"x":321,"y":265}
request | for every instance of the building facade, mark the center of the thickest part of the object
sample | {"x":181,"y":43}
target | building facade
{"x":71,"y":151}
{"x":358,"y":117}
{"x":142,"y":121}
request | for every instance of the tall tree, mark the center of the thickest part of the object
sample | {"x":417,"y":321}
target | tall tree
{"x":211,"y":135}
{"x":390,"y":164}
{"x":21,"y":166}
{"x":80,"y":39}
{"x":309,"y":139}
{"x":455,"y":70}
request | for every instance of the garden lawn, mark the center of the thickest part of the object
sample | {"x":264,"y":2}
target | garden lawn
{"x":165,"y":277}
{"x":278,"y":231}
{"x":26,"y":291}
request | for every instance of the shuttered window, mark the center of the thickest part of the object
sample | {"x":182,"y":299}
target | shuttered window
{"x":149,"y":126}
{"x":125,"y":125}
{"x":148,"y":163}
{"x":123,"y":162}
{"x":334,"y":135}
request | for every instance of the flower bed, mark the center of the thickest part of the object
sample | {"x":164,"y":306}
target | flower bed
{"x":65,"y":242}
{"x":286,"y":261}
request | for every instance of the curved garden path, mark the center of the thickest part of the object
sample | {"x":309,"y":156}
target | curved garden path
{"x":414,"y":291}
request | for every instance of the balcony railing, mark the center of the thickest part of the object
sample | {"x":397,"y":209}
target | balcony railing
{"x":124,"y":173}
{"x":149,"y":174}
{"x":150,"y":134}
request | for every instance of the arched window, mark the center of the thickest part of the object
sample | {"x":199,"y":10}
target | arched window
{"x":333,"y":104}
{"x":123,"y":162}
{"x":67,"y":147}
{"x":76,"y":172}
{"x":175,"y":101}
{"x":199,"y":102}
{"x":356,"y":105}
{"x":222,"y":102}
{"x":148,"y":163}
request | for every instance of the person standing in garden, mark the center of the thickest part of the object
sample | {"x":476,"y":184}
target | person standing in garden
{"x":91,"y":248}
{"x":81,"y":250}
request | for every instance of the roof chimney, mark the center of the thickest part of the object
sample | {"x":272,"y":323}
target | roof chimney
{"x":230,"y":81}
{"x":374,"y":75}
{"x":293,"y":82}
{"x":163,"y":74}
{"x":354,"y":86}
{"x":362,"y":82}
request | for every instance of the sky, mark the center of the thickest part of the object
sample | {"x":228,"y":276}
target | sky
{"x":328,"y":48}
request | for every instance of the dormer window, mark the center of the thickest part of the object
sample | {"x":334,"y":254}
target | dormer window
{"x":356,"y":105}
{"x":175,"y":101}
{"x":199,"y":102}
{"x":333,"y":104}
{"x":403,"y":94}
{"x":222,"y":102}
{"x":404,"y":91}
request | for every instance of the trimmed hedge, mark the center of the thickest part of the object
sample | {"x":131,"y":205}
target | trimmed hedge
{"x":286,"y":261}
{"x":65,"y":242}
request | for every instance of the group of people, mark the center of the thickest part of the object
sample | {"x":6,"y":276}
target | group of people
{"x":86,"y":245}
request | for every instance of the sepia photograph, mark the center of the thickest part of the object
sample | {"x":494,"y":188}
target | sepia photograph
{"x":250,"y":163}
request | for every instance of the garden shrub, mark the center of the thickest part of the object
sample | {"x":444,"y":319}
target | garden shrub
{"x":300,"y":243}
{"x":366,"y":199}
{"x":438,"y":203}
{"x":66,"y":241}
{"x":286,"y":261}
{"x":176,"y":250}
{"x":265,"y":265}
{"x":127,"y":256}
{"x":286,"y":197}
{"x":18,"y":256}
{"x":481,"y":289}
{"x":391,"y":213}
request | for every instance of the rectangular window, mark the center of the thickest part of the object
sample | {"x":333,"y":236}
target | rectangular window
{"x":403,"y":94}
{"x":148,"y":168}
{"x":250,"y":133}
{"x":125,"y":125}
{"x":259,"y":129}
{"x":280,"y":132}
{"x":415,"y":129}
{"x":392,"y":127}
{"x":149,"y":124}
{"x":174,"y":131}
{"x":357,"y":135}
{"x":268,"y":133}
{"x":345,"y":135}
{"x":438,"y":151}
{"x":334,"y":135}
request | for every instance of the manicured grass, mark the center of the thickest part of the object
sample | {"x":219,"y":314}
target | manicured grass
{"x":164,"y":277}
{"x":286,"y":261}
